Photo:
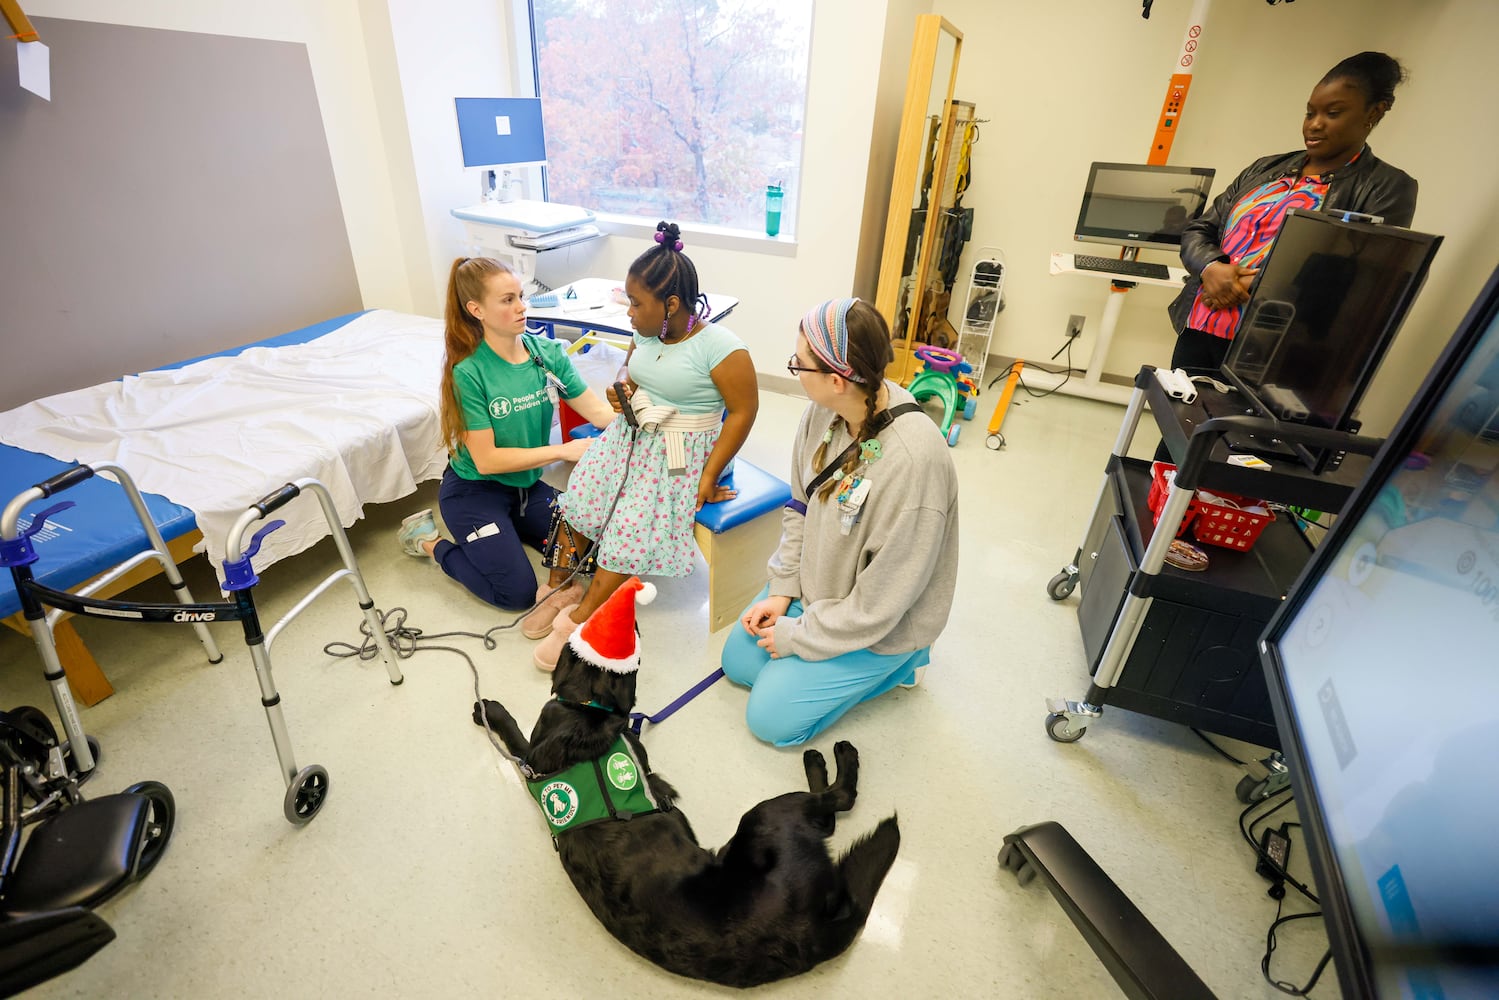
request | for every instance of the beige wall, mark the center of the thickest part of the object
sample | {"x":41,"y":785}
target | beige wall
{"x":1066,"y":84}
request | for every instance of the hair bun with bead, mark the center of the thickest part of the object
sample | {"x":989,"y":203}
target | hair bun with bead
{"x":669,"y":235}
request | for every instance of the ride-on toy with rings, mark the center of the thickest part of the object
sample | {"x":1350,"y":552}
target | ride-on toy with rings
{"x":945,"y":376}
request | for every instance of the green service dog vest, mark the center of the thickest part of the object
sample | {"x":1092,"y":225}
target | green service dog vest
{"x":609,"y":787}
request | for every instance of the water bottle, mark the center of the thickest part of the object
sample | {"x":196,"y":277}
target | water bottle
{"x":773,"y":196}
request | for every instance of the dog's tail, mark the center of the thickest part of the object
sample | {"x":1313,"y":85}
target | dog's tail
{"x":865,"y":865}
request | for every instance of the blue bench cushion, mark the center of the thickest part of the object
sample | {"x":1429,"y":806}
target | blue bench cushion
{"x":759,"y":493}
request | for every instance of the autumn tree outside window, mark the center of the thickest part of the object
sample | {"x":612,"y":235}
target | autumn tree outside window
{"x":674,"y":109}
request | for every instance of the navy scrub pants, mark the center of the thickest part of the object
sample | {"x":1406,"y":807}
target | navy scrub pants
{"x":493,"y":523}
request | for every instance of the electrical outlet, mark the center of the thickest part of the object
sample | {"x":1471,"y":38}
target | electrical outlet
{"x":1075,"y":325}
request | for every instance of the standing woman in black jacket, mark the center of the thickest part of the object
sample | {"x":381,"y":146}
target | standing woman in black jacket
{"x":1336,"y":172}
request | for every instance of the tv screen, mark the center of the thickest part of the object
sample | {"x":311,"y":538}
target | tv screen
{"x":1134,"y":204}
{"x":1382,"y":672}
{"x":1322,"y":311}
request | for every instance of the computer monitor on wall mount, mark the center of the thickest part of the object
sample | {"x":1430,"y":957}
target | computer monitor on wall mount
{"x":501,"y":132}
{"x":1141,"y":205}
{"x":1323,"y":310}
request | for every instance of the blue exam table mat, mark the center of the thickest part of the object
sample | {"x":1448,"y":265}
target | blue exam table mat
{"x":102,"y":530}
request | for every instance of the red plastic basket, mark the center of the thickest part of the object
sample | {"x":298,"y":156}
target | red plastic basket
{"x":1223,"y":525}
{"x":1230,"y":527}
{"x":1156,"y":498}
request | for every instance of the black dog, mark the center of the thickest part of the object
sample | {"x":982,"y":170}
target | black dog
{"x":770,"y":903}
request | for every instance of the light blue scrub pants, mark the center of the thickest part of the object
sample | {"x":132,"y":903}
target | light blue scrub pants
{"x":792,"y":700}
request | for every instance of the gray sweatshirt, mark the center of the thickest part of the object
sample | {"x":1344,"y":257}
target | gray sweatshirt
{"x":886,"y":586}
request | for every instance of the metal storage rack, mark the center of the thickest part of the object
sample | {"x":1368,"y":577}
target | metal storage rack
{"x":986,"y":287}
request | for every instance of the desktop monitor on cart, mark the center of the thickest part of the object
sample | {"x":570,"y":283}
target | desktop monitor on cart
{"x":1324,"y":308}
{"x":1384,"y":677}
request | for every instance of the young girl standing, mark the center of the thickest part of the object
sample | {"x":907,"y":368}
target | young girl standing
{"x":683,"y":373}
{"x":499,"y":391}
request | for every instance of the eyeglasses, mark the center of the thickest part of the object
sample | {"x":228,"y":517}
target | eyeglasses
{"x":794,"y":366}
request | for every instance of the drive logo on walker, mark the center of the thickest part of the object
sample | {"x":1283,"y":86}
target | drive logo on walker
{"x":559,"y":801}
{"x":501,"y":407}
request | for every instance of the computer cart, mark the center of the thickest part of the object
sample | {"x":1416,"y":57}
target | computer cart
{"x":1181,"y":645}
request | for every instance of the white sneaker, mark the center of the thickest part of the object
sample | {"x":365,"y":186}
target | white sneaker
{"x":920,"y":672}
{"x":416,"y":529}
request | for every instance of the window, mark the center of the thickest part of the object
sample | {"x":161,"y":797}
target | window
{"x":674,"y":109}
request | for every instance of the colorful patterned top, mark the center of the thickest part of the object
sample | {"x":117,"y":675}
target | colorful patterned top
{"x":1249,"y":231}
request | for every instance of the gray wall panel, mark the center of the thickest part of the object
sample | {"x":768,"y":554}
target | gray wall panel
{"x":174,"y":198}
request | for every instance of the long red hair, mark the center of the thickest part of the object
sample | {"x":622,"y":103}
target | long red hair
{"x":462,"y":334}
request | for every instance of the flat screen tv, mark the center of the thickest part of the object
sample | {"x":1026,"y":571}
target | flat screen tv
{"x":1323,"y":310}
{"x":1384,"y":680}
{"x":1140,"y":205}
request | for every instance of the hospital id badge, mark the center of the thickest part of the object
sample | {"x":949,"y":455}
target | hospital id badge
{"x":850,"y":507}
{"x":552,"y":395}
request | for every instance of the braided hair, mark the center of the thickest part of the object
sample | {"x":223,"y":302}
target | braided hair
{"x":869,"y":354}
{"x":665,"y":271}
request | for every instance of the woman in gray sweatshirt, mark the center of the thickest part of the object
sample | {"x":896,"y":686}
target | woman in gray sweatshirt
{"x":862,"y":582}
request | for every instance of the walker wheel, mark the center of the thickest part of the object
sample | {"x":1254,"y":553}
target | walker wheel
{"x":306,"y":794}
{"x":1061,"y":586}
{"x":1060,"y":729}
{"x":158,"y":827}
{"x":952,"y":436}
{"x":970,"y":408}
{"x":994,"y":442}
{"x":72,"y":765}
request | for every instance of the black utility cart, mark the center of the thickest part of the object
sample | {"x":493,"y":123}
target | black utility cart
{"x":1177,"y":644}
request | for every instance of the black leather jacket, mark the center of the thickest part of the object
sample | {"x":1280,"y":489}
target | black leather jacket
{"x":1370,"y":186}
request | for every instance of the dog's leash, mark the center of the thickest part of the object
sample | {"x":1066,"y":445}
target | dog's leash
{"x":639,"y":719}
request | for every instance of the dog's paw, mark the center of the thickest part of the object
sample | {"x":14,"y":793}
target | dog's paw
{"x":480,"y":718}
{"x":844,"y":750}
{"x":813,"y":758}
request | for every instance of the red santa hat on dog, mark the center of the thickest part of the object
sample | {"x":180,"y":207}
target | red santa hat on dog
{"x":607,"y":639}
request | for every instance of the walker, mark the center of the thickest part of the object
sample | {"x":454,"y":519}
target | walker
{"x":307,"y":788}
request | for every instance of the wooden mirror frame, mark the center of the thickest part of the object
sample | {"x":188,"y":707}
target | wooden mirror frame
{"x":923,"y":76}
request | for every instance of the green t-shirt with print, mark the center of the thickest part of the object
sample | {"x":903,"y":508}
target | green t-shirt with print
{"x":511,"y":401}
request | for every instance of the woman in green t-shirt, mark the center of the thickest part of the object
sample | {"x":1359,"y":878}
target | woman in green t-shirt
{"x":500,"y":387}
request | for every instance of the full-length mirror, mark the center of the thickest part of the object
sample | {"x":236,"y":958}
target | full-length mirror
{"x":911,"y":227}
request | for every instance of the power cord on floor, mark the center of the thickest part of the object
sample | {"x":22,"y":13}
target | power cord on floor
{"x":406,"y":641}
{"x":1268,"y":865}
{"x":1221,"y":752}
{"x":1270,"y":942}
{"x":1286,"y":798}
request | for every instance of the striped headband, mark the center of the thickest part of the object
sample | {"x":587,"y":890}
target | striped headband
{"x":826,"y":330}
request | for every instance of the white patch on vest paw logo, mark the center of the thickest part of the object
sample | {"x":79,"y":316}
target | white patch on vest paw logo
{"x":560,"y":801}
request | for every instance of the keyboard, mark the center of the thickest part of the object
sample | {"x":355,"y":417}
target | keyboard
{"x":1113,"y":265}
